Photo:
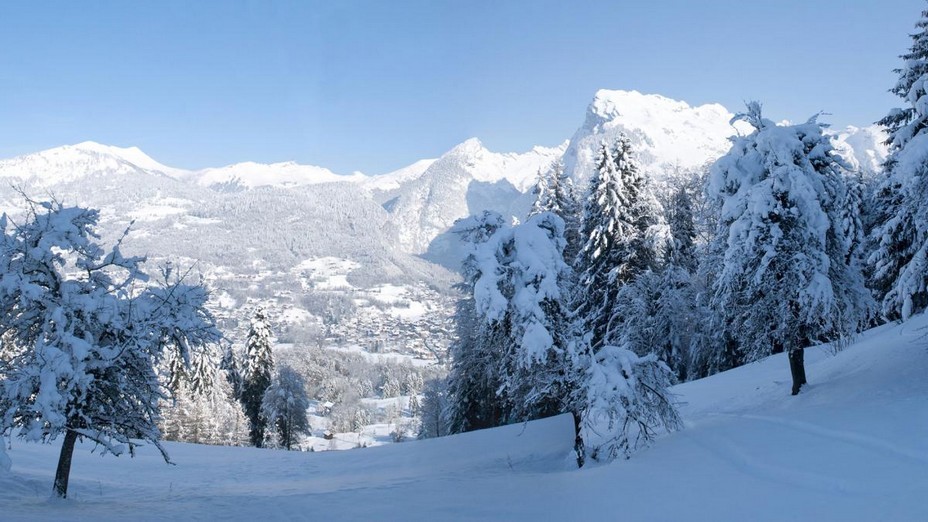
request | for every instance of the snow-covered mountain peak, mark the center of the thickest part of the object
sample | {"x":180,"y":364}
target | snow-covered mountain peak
{"x":74,"y":162}
{"x":469,"y":147}
{"x":132,"y":155}
{"x":669,"y":134}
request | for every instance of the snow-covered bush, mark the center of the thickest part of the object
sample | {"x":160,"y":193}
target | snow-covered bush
{"x":626,"y":403}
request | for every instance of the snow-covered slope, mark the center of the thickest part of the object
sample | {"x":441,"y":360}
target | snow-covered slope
{"x":667,"y":134}
{"x":467,"y":179}
{"x":850,"y":447}
{"x":394,"y":180}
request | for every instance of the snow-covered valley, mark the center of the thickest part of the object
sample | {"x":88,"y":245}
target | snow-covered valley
{"x":851,"y":447}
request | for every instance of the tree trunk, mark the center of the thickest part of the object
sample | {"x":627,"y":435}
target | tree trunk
{"x":802,"y":366}
{"x":578,"y":440}
{"x":289,"y":428}
{"x":797,"y":369}
{"x":64,"y":465}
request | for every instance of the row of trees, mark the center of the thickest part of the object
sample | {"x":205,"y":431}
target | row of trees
{"x":597,"y":311}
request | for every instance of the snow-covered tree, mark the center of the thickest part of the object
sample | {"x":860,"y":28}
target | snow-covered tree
{"x":519,"y":291}
{"x":284,"y":406}
{"x":554,"y":192}
{"x":619,"y":218}
{"x":898,"y":264}
{"x":258,"y":370}
{"x":786,"y":281}
{"x":82,"y":337}
{"x":511,"y":360}
{"x":681,"y":249}
{"x":203,"y":409}
{"x":475,"y":350}
{"x":434,"y":411}
{"x":233,"y":374}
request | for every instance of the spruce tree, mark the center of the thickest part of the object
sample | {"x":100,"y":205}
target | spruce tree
{"x":475,"y":349}
{"x":898,"y":263}
{"x":554,"y":192}
{"x":619,"y":213}
{"x":786,"y":281}
{"x":521,"y":293}
{"x":259,"y":365}
{"x":284,"y":406}
{"x":681,"y":249}
{"x":230,"y":365}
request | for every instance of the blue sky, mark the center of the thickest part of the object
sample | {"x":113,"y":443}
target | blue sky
{"x":376,"y":85}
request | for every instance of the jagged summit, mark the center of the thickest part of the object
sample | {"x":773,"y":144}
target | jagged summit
{"x":668,"y":134}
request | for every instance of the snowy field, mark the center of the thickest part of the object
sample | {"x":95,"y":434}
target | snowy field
{"x":851,"y":446}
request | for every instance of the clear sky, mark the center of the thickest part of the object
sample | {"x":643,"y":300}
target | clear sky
{"x":376,"y":85}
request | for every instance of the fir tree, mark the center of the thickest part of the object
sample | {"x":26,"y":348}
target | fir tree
{"x":520,"y":293}
{"x":284,"y":406}
{"x":259,"y":365}
{"x":898,"y":264}
{"x":233,"y":374}
{"x":619,"y":213}
{"x":475,"y":355}
{"x":786,"y":281}
{"x":554,"y":192}
{"x":681,"y":249}
{"x":435,"y":409}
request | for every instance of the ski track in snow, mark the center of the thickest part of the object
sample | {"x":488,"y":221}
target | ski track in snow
{"x":857,"y":439}
{"x":735,"y":455}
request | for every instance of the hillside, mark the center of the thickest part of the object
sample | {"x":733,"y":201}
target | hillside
{"x":850,"y":447}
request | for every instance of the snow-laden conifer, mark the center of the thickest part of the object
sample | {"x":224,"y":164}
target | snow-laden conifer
{"x":258,"y":370}
{"x":898,"y":264}
{"x":554,"y":192}
{"x":475,"y":349}
{"x":618,"y":234}
{"x":786,"y":280}
{"x":284,"y":406}
{"x":520,"y":291}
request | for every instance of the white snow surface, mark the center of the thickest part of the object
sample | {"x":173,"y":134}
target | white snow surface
{"x":851,"y":446}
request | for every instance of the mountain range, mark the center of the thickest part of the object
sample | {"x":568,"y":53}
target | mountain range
{"x":252,"y":229}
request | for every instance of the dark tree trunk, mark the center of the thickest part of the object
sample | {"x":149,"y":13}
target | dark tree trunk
{"x":288,"y":429}
{"x":64,"y":465}
{"x":802,"y":367}
{"x":797,"y":369}
{"x":578,"y":440}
